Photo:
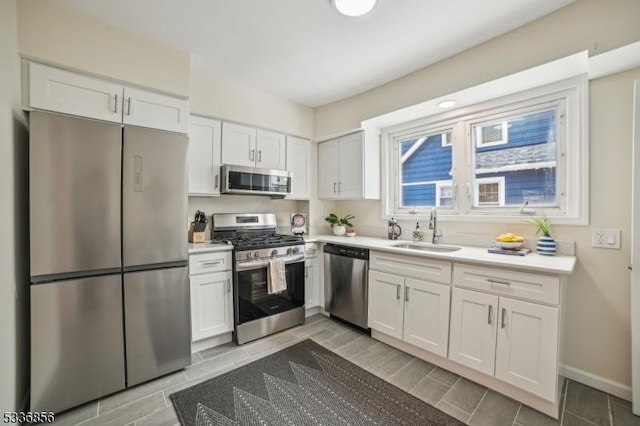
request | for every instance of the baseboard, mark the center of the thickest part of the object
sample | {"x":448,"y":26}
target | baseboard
{"x":211,"y":342}
{"x":598,"y":382}
{"x":311,"y":311}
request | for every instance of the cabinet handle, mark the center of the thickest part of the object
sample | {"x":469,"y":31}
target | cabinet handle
{"x":406,"y":294}
{"x":115,"y":106}
{"x":504,"y":313}
{"x":215,"y":182}
{"x":259,"y":156}
{"x":339,"y":187}
{"x":397,"y":291}
{"x":490,"y":314}
{"x":228,"y":285}
{"x":334,"y":187}
{"x":306,"y":272}
{"x":500,"y":282}
{"x":252,"y":154}
{"x":213,"y":263}
{"x":129,"y":106}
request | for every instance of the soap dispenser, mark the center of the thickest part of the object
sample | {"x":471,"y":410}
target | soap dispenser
{"x":417,"y":233}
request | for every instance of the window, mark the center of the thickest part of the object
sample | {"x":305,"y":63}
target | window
{"x":490,"y":191}
{"x":491,"y":160}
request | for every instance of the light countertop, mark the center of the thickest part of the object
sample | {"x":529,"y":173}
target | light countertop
{"x":208,"y":246}
{"x":559,"y":264}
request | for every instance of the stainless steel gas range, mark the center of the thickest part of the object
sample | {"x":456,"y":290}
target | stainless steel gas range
{"x":255,"y":242}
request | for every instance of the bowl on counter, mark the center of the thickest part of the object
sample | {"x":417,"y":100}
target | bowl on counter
{"x":513,"y":245}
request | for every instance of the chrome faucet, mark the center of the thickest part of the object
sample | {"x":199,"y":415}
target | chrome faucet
{"x":433,"y":224}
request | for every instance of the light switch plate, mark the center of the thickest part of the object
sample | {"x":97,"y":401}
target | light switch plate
{"x":606,"y":238}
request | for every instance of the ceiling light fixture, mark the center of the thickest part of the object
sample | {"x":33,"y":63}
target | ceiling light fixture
{"x":354,"y":8}
{"x":446,"y":104}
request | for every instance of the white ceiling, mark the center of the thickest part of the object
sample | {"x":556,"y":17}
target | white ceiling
{"x":303,"y":50}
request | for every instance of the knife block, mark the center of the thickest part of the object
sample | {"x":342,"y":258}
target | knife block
{"x":195,"y":237}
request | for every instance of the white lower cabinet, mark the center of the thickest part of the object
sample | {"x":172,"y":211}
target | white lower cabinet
{"x":513,"y":340}
{"x":408,"y":309}
{"x":211,"y":282}
{"x":211,"y":305}
{"x":497,"y":326}
{"x":312,"y":277}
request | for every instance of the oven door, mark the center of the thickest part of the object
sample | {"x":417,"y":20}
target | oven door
{"x":251,"y":298}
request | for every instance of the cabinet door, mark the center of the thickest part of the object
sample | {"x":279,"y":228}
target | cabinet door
{"x":211,"y":305}
{"x":350,"y":171}
{"x":472,"y":340}
{"x":527,"y":347}
{"x":149,"y":109}
{"x":271,"y":150}
{"x":386,"y":303}
{"x":328,"y":169}
{"x":311,"y":283}
{"x":63,"y":91}
{"x":299,"y":164}
{"x":426,"y":315}
{"x":204,"y":156}
{"x":238,"y":145}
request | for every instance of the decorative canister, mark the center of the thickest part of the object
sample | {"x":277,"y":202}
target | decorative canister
{"x":546,"y":245}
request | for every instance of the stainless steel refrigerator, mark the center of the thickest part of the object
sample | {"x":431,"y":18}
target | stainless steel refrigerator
{"x":109,"y":292}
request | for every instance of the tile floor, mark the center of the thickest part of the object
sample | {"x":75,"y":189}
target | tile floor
{"x":149,"y":403}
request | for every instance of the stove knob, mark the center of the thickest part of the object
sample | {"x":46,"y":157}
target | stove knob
{"x":256,"y":254}
{"x":249,"y":254}
{"x":295,"y":250}
{"x":274,"y":253}
{"x":289,"y":250}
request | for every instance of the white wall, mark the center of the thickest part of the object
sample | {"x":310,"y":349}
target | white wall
{"x":14,"y":356}
{"x":216,"y":98}
{"x":598,"y":322}
{"x":62,"y":36}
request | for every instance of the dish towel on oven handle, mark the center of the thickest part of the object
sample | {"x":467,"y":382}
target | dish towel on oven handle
{"x":276,"y":277}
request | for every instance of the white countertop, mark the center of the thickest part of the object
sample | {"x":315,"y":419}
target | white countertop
{"x":208,"y":246}
{"x":535,"y":262}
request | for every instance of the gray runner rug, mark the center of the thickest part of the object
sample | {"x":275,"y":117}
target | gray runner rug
{"x":304,"y":384}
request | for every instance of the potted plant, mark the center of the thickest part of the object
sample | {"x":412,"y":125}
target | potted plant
{"x":546,"y":244}
{"x":339,"y":224}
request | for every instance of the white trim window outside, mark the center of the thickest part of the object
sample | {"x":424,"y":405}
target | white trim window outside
{"x":489,"y":160}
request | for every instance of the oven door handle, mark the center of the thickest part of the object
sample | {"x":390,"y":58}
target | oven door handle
{"x":257,"y":264}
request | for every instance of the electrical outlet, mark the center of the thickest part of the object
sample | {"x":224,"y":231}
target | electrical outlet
{"x":606,"y":238}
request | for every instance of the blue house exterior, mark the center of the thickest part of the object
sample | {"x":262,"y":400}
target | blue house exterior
{"x":523,"y":167}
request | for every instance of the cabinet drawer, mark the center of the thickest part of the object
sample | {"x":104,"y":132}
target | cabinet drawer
{"x":311,"y":250}
{"x":524,"y":285}
{"x":411,"y":266}
{"x":204,"y":263}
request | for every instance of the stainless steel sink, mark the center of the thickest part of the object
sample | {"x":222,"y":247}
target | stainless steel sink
{"x":427,"y":247}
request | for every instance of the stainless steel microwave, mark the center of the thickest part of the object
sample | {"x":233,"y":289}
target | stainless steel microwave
{"x":255,"y":181}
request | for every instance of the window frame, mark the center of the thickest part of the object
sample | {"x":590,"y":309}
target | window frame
{"x":572,"y":173}
{"x":500,"y":180}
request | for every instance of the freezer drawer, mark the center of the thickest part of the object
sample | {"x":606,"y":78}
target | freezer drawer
{"x":77,"y":342}
{"x":157,"y":323}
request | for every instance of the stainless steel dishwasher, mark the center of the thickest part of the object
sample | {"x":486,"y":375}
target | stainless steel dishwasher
{"x":346,"y":285}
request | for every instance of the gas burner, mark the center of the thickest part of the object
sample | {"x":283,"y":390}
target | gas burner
{"x":263,"y":241}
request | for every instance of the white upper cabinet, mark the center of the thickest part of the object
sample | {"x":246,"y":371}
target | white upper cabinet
{"x":248,"y":146}
{"x":67,"y":92}
{"x":154,"y":110}
{"x":349,"y":167}
{"x":271,"y":150}
{"x":299,"y":164}
{"x":204,"y":156}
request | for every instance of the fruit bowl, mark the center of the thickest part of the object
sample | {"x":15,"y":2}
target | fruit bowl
{"x":512,"y":245}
